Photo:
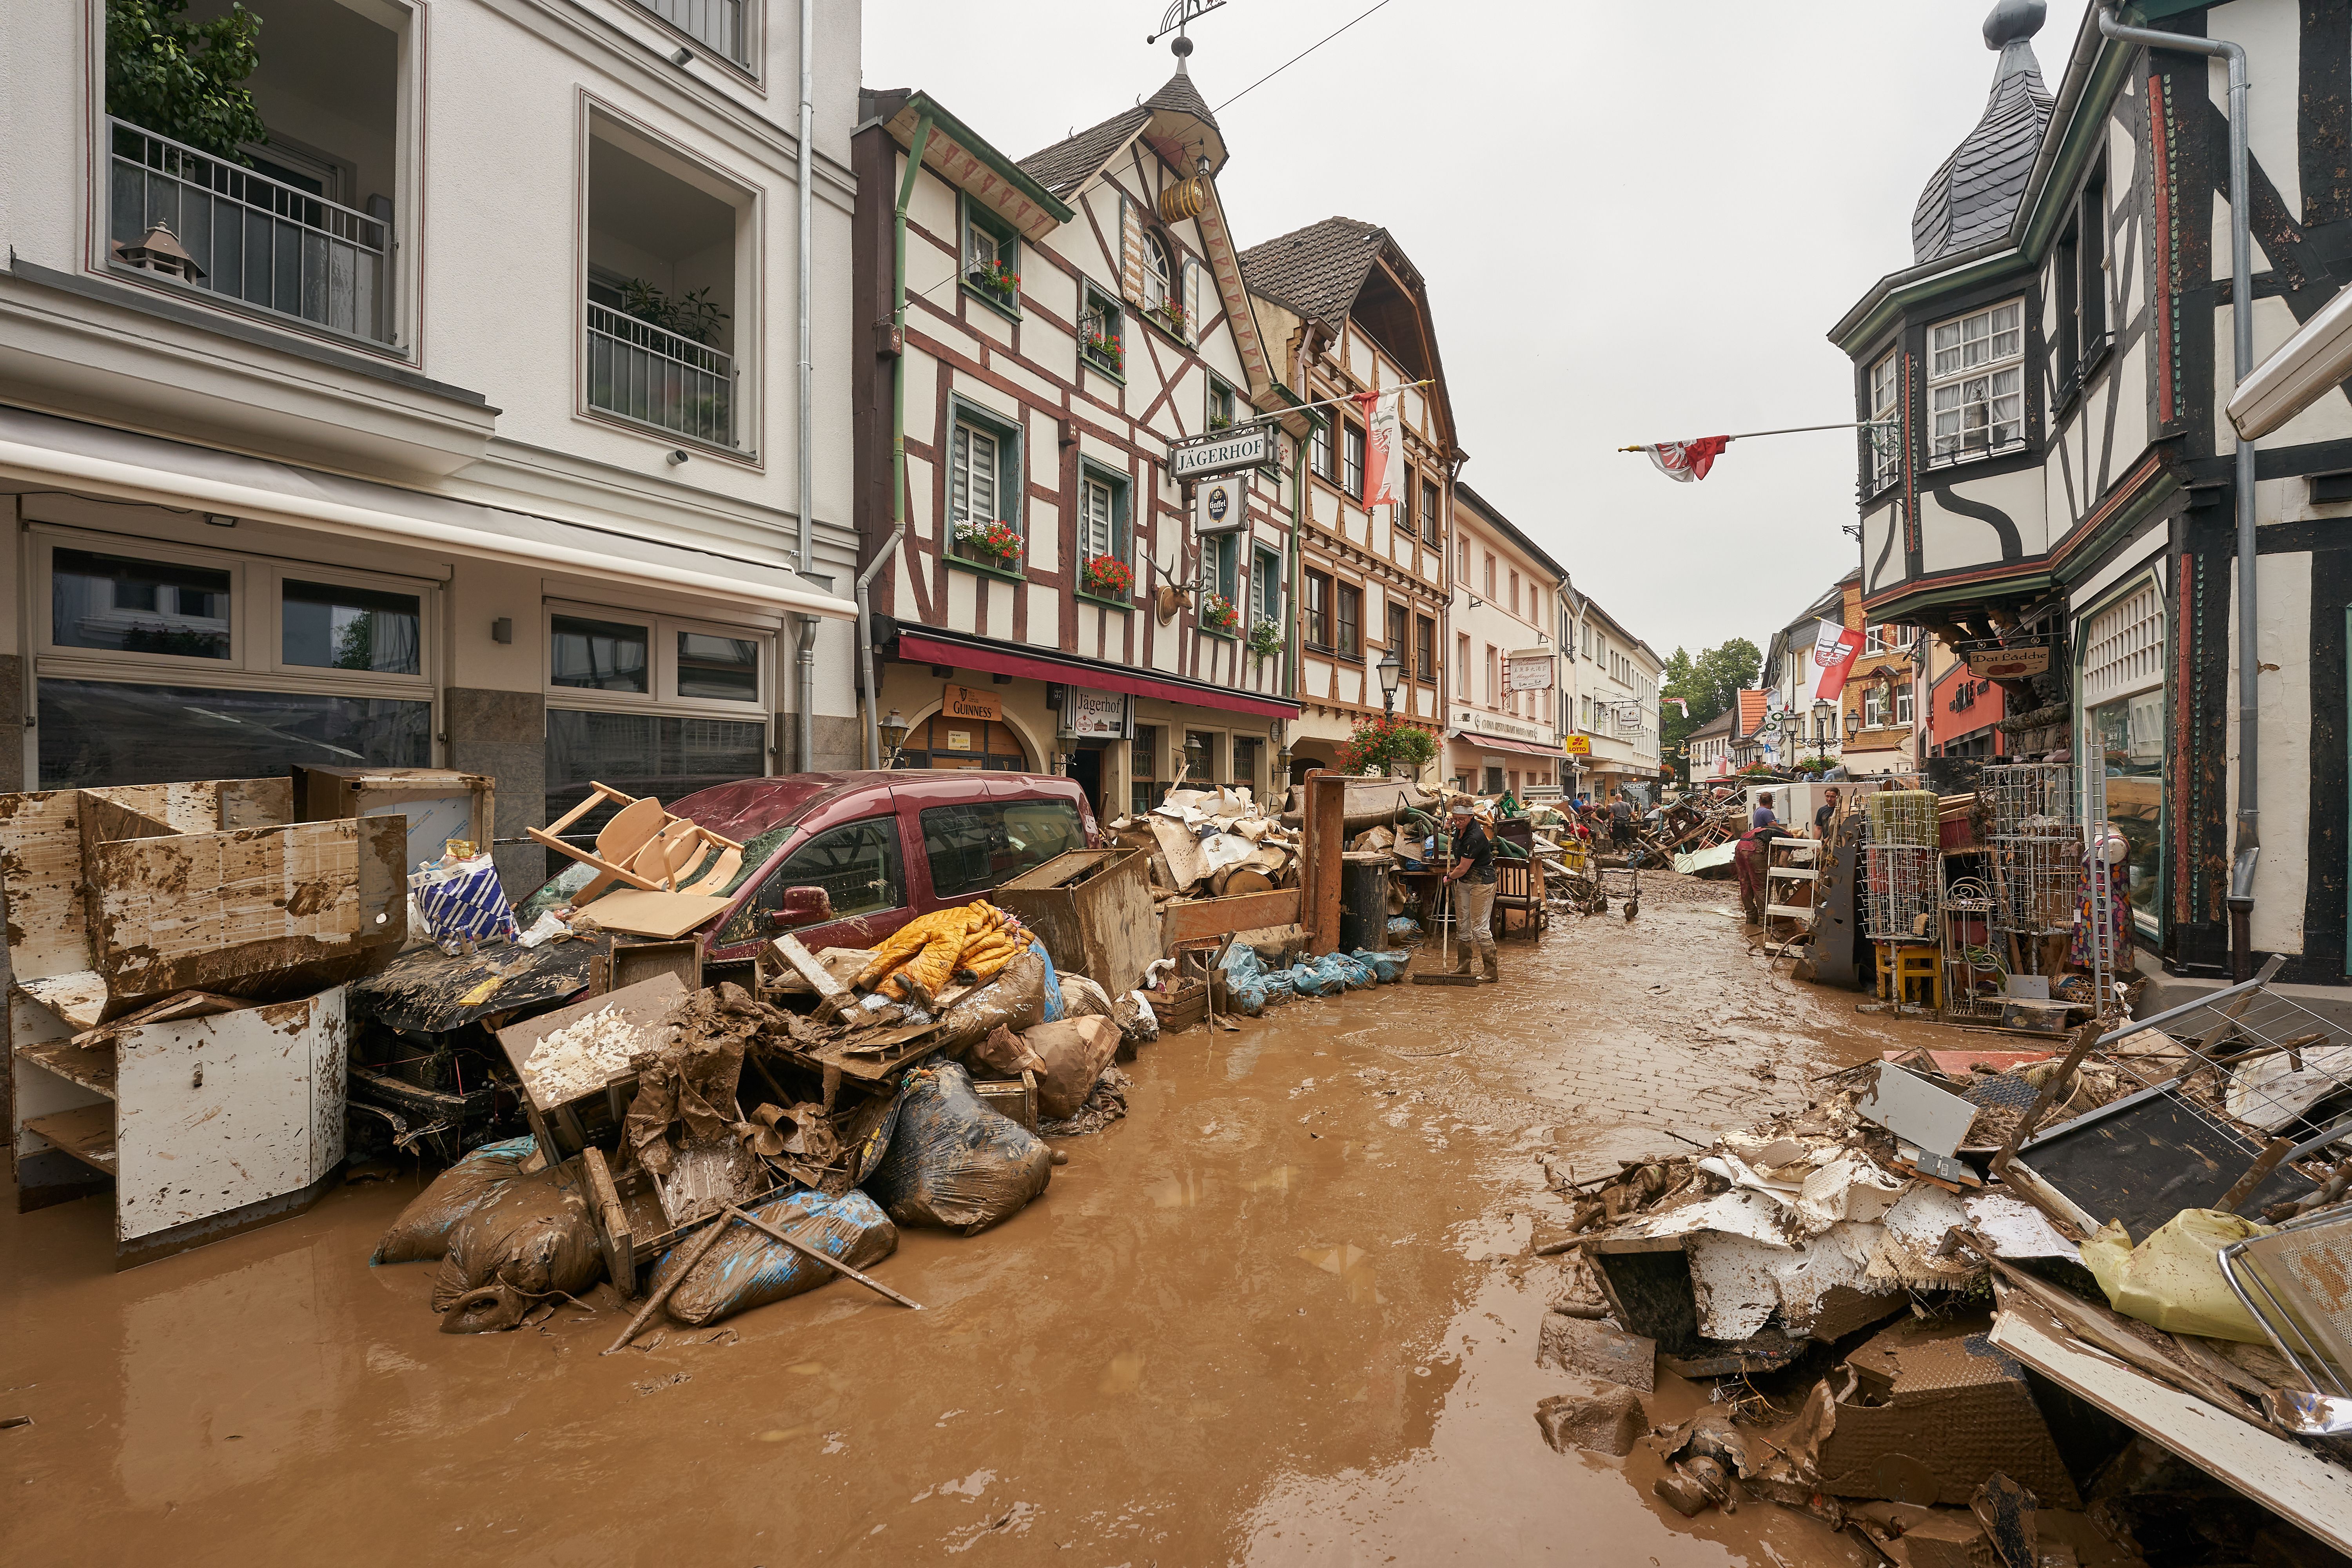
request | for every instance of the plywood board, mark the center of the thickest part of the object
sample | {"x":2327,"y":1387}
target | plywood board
{"x":1911,"y":1107}
{"x":644,"y":1004}
{"x":79,"y":998}
{"x":40,"y":864}
{"x":2285,"y":1477}
{"x":87,"y":1134}
{"x":641,"y":914}
{"x":218,"y":1112}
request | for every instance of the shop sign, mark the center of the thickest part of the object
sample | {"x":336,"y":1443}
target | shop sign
{"x":1488,"y":724}
{"x":1576,"y":745}
{"x":1528,"y":672}
{"x":1221,"y":506}
{"x":972,"y":703}
{"x":1226,"y":452}
{"x":2008,"y":664}
{"x":1098,"y":715}
{"x":958,"y":740}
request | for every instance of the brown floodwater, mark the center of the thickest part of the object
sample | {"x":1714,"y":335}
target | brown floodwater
{"x":1280,"y":1315}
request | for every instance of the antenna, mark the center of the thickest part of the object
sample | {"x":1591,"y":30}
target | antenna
{"x":1179,"y":15}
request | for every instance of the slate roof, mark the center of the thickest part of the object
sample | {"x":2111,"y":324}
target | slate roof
{"x":1317,"y":270}
{"x":1718,"y":725}
{"x":1065,"y":165}
{"x":1975,"y":194}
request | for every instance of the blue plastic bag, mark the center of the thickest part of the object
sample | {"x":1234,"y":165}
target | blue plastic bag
{"x":1404,"y":928}
{"x":1054,"y":1014}
{"x":746,"y":1267}
{"x":1387,"y":968}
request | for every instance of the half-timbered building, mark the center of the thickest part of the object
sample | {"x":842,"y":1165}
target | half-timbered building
{"x":1045,"y":594}
{"x":2058,"y":477}
{"x":1345,"y":311}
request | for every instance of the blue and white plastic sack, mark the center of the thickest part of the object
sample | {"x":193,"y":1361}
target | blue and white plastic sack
{"x":460,"y":900}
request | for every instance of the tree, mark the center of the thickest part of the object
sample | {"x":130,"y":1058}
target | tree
{"x":1723,"y":671}
{"x":185,"y":79}
{"x":1709,"y":684}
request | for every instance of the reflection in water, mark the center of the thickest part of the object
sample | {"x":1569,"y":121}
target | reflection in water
{"x":1125,"y":1371}
{"x":1354,"y":1267}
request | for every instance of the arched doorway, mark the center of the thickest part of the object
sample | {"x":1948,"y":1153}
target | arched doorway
{"x":940,"y":741}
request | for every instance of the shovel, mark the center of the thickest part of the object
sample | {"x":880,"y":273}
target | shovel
{"x":1446,"y":975}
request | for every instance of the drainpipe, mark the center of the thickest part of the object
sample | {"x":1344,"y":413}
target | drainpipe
{"x":898,"y":443}
{"x":2248,"y":850}
{"x":807,"y":695}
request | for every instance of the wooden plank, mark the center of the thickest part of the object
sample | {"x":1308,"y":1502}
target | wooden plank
{"x":1188,"y":920}
{"x":93,"y":1070}
{"x":79,"y":998}
{"x":641,"y":914}
{"x":40,"y":862}
{"x":811,"y":969}
{"x":87,"y":1134}
{"x":2285,"y":1477}
{"x":612,"y":1221}
{"x":1322,"y":841}
{"x":644,"y":1004}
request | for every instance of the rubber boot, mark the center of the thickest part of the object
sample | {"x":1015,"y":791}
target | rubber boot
{"x":1464,"y":959}
{"x":1494,"y":967}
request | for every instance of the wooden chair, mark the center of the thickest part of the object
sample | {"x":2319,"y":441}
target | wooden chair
{"x":1519,"y":886}
{"x":643,"y":847}
{"x":1903,"y":966}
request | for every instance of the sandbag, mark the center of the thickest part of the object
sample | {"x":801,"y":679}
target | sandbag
{"x":955,"y":1164}
{"x":421,"y":1233}
{"x":1074,"y":1052}
{"x":1006,"y":1055}
{"x":532,"y":1236}
{"x":1387,"y":968}
{"x":1015,"y":1000}
{"x":1082,"y":998}
{"x":746,"y":1268}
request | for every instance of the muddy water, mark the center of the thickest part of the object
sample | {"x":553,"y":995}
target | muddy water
{"x":1281,"y":1315}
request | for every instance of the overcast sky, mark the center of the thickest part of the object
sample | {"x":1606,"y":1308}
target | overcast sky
{"x":1638,"y":221}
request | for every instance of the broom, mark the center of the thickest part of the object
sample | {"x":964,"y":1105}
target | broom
{"x":1447,"y":976}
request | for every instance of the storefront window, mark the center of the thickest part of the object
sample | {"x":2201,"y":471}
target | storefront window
{"x":97,"y":734}
{"x":115,"y":603}
{"x":721,"y":669}
{"x":2131,"y":732}
{"x":645,"y":753}
{"x":597,"y":655}
{"x":329,"y":627}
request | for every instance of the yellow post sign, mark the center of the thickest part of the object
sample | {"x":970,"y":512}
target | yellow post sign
{"x":971,"y":702}
{"x":1576,"y":745}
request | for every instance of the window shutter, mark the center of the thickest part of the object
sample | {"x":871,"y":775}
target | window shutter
{"x":1130,"y":262}
{"x":1191,"y":300}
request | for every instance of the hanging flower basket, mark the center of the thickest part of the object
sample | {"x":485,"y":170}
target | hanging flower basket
{"x":1171,"y":315}
{"x":1381,"y":744}
{"x":999,"y":280}
{"x":1105,"y":350}
{"x":999,"y":543}
{"x":1266,"y":638}
{"x":1108,"y":577}
{"x":1218,"y":615}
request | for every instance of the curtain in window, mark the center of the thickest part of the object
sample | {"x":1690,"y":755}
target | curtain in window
{"x":971,"y":479}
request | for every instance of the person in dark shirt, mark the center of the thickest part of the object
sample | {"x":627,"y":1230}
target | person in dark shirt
{"x":1472,"y":878}
{"x":1763,"y":816}
{"x":1822,"y":818}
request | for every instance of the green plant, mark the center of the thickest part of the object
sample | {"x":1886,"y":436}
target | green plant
{"x":694,"y":317}
{"x":1000,"y":542}
{"x":1105,"y":348}
{"x":1218,"y":614}
{"x":1386,"y":742}
{"x":1266,"y":638}
{"x":998,"y":277}
{"x":1108,"y":577}
{"x":185,"y":79}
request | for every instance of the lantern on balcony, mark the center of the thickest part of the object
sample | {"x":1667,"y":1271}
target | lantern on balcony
{"x":159,"y":251}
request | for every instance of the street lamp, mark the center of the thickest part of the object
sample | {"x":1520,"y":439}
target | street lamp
{"x":1066,"y":736}
{"x":1391,"y":671}
{"x":1852,"y":724}
{"x":1825,"y":720}
{"x":894,"y":735}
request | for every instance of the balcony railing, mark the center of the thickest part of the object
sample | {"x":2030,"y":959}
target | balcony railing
{"x":266,"y":244}
{"x":641,"y":372}
{"x":717,"y":22}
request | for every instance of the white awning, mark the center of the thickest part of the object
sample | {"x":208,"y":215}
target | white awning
{"x":66,"y":454}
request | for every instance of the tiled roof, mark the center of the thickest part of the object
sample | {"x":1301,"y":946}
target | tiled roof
{"x":1316,"y":271}
{"x":1976,"y":194}
{"x":1752,"y":709}
{"x":1065,"y":165}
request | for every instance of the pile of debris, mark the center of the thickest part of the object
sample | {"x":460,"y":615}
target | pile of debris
{"x":1212,"y":843}
{"x":1920,"y":1334}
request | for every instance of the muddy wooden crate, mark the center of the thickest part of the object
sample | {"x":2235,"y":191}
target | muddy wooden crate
{"x":117,"y":897}
{"x":1092,"y":908}
{"x":567,"y":1123}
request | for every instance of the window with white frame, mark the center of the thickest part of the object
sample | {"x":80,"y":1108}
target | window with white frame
{"x":1976,"y":383}
{"x":1102,"y":515}
{"x":1266,"y":587}
{"x":2123,"y":697}
{"x":1873,"y":706}
{"x":1102,"y":340}
{"x":991,"y":257}
{"x":1903,"y":704}
{"x":1885,"y":440}
{"x":983,"y":490}
{"x":157,"y":663}
{"x":653,"y":705}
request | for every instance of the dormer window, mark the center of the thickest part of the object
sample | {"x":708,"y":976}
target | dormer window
{"x":1976,"y":383}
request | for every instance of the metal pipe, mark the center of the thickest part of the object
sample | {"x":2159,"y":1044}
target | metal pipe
{"x":2247,"y":850}
{"x":897,"y":443}
{"x":805,"y":697}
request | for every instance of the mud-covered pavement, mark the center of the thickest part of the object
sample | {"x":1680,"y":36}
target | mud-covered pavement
{"x":1280,"y":1315}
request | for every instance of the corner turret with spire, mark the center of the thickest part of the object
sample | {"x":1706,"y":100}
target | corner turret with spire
{"x":1975,"y":194}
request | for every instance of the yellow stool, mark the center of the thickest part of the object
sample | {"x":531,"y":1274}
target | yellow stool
{"x":1901,"y":965}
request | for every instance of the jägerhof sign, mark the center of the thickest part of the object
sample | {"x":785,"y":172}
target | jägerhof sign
{"x":1226,"y":452}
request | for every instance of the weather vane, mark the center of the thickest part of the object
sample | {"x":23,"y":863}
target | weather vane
{"x":1180,"y":12}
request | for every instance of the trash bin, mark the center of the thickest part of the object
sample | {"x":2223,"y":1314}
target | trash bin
{"x":1364,"y":901}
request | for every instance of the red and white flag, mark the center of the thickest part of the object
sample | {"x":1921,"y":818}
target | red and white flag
{"x":1686,"y":460}
{"x":1383,"y":445}
{"x":1834,"y":647}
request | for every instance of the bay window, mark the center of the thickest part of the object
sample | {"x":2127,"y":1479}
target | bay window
{"x":1976,"y":383}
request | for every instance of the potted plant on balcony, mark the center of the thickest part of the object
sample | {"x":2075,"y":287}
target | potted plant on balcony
{"x":997,"y":544}
{"x":1380,"y":746}
{"x":185,"y":79}
{"x":999,"y":279}
{"x":1105,"y":350}
{"x":1219,"y":422}
{"x":1266,"y":638}
{"x":1218,"y":615}
{"x":1169,"y":313}
{"x":1108,"y":577}
{"x":694,"y":317}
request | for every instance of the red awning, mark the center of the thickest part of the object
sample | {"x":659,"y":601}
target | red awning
{"x":918,"y":650}
{"x":1524,"y":748}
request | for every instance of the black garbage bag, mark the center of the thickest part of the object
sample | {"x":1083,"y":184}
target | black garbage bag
{"x":421,"y":1233}
{"x":532,"y":1238}
{"x":746,"y":1267}
{"x":955,"y":1164}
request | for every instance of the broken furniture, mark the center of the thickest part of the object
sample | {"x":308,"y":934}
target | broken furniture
{"x":1092,"y":908}
{"x":566,"y":1124}
{"x":1789,"y":871}
{"x":1518,"y":890}
{"x":437,"y":804}
{"x":1910,"y":975}
{"x":644,"y":847}
{"x":204,"y":1115}
{"x":2294,"y":1281}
